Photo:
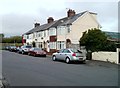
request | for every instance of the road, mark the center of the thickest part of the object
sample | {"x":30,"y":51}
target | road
{"x":24,"y":70}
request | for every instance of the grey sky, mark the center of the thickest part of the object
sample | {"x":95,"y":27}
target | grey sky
{"x":18,"y":16}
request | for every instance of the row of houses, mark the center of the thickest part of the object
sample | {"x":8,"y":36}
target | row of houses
{"x":62,"y":33}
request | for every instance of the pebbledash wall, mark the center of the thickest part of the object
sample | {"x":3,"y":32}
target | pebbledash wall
{"x":112,"y":57}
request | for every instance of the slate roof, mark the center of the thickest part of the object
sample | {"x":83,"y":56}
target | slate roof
{"x":67,"y":20}
{"x":60,"y":22}
{"x":40,"y":28}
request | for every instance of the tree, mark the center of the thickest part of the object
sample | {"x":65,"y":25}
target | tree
{"x":96,"y":40}
{"x":14,"y":39}
{"x":1,"y":35}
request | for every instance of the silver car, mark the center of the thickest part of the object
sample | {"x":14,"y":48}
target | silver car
{"x":69,"y":55}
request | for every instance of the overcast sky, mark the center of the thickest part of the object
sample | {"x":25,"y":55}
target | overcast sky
{"x":18,"y":16}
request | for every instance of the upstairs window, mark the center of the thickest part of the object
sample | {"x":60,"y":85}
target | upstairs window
{"x":68,"y":29}
{"x":27,"y":36}
{"x":61,"y":30}
{"x":52,"y":31}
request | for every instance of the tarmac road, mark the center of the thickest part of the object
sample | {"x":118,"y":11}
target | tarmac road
{"x":24,"y":70}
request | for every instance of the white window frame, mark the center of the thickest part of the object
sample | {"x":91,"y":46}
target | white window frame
{"x":52,"y":31}
{"x":61,"y":30}
{"x":52,"y":45}
{"x":60,"y":45}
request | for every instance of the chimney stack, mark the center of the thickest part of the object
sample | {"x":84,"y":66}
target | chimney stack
{"x":36,"y":24}
{"x":50,"y":19}
{"x":70,"y":12}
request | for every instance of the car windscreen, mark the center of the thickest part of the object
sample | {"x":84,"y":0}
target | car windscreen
{"x":37,"y":49}
{"x":28,"y":46}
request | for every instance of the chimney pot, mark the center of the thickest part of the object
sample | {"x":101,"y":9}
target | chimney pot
{"x":70,"y":13}
{"x":36,"y":24}
{"x":50,"y":19}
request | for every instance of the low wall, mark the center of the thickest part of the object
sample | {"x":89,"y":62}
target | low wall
{"x":106,"y":56}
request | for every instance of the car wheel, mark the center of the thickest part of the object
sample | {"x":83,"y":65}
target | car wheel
{"x":84,"y":62}
{"x":67,"y":60}
{"x":29,"y":54}
{"x":22,"y":52}
{"x":54,"y":58}
{"x":34,"y":55}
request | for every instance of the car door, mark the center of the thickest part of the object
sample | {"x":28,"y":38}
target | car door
{"x":65,"y":54}
{"x":59,"y":54}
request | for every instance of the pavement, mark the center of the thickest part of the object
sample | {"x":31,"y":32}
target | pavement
{"x":24,"y":70}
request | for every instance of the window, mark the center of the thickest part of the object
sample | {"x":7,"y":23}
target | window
{"x":52,"y":45}
{"x":61,"y":30}
{"x":33,"y":35}
{"x":66,"y":51}
{"x":52,"y":31}
{"x":68,"y":29}
{"x":40,"y":34}
{"x":76,"y":51}
{"x":60,"y":51}
{"x":44,"y":33}
{"x":60,"y":45}
{"x":27,"y":36}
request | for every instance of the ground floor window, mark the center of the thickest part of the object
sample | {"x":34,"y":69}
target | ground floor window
{"x":52,"y":45}
{"x":60,"y":45}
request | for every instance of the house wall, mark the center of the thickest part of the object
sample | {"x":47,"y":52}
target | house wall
{"x":106,"y":56}
{"x":42,"y":38}
{"x":30,"y":39}
{"x":82,"y":24}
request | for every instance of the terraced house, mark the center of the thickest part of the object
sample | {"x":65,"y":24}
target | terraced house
{"x":62,"y":33}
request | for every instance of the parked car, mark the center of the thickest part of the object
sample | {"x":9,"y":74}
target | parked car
{"x":69,"y":55}
{"x":17,"y":49}
{"x":12,"y":48}
{"x":24,"y":49}
{"x":37,"y":52}
{"x":7,"y":47}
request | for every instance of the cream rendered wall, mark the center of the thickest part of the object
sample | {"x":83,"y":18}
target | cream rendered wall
{"x":82,"y":24}
{"x":30,"y":40}
{"x":105,"y":56}
{"x":61,"y":38}
{"x":44,"y":38}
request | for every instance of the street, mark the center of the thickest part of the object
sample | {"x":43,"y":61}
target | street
{"x":24,"y":70}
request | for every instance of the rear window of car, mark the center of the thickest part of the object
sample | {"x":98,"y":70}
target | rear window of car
{"x":76,"y":51}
